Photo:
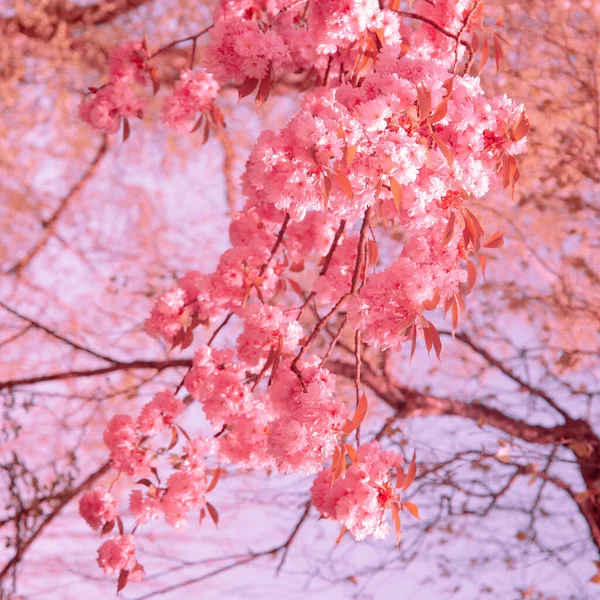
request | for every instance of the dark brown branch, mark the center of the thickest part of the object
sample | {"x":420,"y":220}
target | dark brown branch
{"x":410,"y":403}
{"x":492,"y":360}
{"x":158,"y":365}
{"x":13,"y":562}
{"x":51,"y":333}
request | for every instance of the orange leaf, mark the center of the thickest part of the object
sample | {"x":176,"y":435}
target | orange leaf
{"x":215,"y":479}
{"x":496,"y":240}
{"x":445,"y":150}
{"x":431,"y":304}
{"x":352,"y":453}
{"x":400,"y":477}
{"x":397,"y":525}
{"x":520,"y":128}
{"x":440,"y":111}
{"x":471,"y":275}
{"x":396,"y":193}
{"x":455,"y":315}
{"x":499,"y":53}
{"x":361,"y":410}
{"x":342,"y":534}
{"x":412,"y":471}
{"x":413,"y":345}
{"x":350,"y":154}
{"x":345,"y":184}
{"x":485,"y":52}
{"x":423,"y":101}
{"x":432,"y":339}
{"x":373,"y":250}
{"x":483,"y":264}
{"x":412,"y":509}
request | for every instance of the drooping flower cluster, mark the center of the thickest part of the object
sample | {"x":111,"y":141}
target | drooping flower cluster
{"x":117,"y":553}
{"x":240,"y":49}
{"x":360,"y":498}
{"x":194,"y":93}
{"x":117,"y":99}
{"x":97,"y":507}
{"x":388,"y":146}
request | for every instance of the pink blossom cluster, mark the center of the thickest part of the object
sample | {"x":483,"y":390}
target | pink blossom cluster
{"x":360,"y":498}
{"x":97,"y":507}
{"x":388,"y":151}
{"x":117,"y":553}
{"x":240,"y":49}
{"x":194,"y":93}
{"x":117,"y":99}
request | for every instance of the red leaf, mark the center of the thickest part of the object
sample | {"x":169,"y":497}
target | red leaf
{"x":247,"y":87}
{"x":496,"y":240}
{"x":296,"y":287}
{"x":126,"y":130}
{"x":107,"y":527}
{"x":214,"y":514}
{"x":412,"y":471}
{"x":174,"y":438}
{"x":263,"y":91}
{"x":198,"y":124}
{"x":123,"y":577}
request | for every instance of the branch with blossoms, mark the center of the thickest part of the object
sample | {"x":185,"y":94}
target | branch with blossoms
{"x":394,"y":142}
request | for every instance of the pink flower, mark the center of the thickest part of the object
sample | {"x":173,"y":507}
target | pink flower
{"x":97,"y":507}
{"x":159,"y":413}
{"x":240,"y":49}
{"x":104,"y":109}
{"x":144,"y":509}
{"x":122,"y":440}
{"x":117,"y":553}
{"x":359,"y":499}
{"x":128,"y":62}
{"x":194,"y":93}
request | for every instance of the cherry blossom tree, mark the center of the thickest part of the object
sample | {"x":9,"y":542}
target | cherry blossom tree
{"x":303,"y":352}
